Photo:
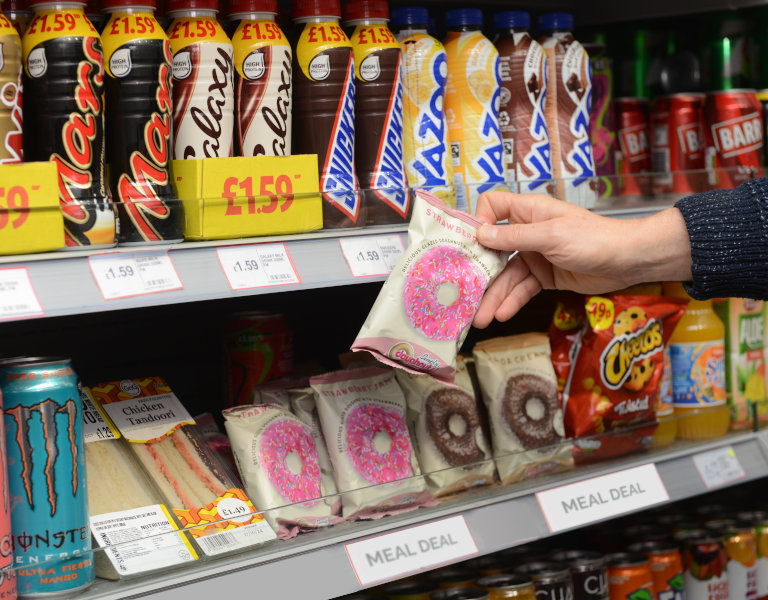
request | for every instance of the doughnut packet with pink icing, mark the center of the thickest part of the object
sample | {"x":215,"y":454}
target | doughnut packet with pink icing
{"x":277,"y":458}
{"x":519,"y":387}
{"x":362,"y":415}
{"x":425,"y":308}
{"x":447,"y":431}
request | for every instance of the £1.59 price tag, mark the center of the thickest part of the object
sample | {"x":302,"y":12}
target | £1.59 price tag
{"x":718,"y":467}
{"x":258,"y":265}
{"x":121,"y":275}
{"x":17,"y":296}
{"x":371,"y":256}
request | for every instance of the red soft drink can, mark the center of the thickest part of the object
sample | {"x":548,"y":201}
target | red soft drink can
{"x":633,"y":152}
{"x":734,"y":137}
{"x":677,"y":144}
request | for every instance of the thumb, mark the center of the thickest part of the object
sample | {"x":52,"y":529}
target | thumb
{"x":528,"y":237}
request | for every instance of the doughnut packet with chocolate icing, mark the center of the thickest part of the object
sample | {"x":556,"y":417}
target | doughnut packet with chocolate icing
{"x":519,"y":387}
{"x":447,"y":431}
{"x":614,"y":383}
{"x":362,"y":415}
{"x":278,"y":460}
{"x":424,"y":310}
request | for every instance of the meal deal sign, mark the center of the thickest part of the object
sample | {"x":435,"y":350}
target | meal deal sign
{"x":602,"y":497}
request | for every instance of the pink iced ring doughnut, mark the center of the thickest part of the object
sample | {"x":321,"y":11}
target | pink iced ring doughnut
{"x":279,"y":440}
{"x":439,"y":266}
{"x":364,"y":424}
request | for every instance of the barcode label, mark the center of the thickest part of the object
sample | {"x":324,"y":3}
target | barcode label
{"x":235,"y":539}
{"x":257,"y":265}
{"x":120,"y":275}
{"x":217,"y":543}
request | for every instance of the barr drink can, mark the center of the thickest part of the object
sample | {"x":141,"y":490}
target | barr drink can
{"x":523,"y":71}
{"x":601,"y":129}
{"x":551,"y":579}
{"x":263,"y":87}
{"x":203,"y":86}
{"x":705,"y":565}
{"x":64,"y":117}
{"x":508,"y":586}
{"x":588,"y":571}
{"x":426,"y":149}
{"x":18,"y":13}
{"x":11,"y":137}
{"x":472,"y":97}
{"x":759,"y":521}
{"x":324,"y":108}
{"x":379,"y":104}
{"x":677,"y":144}
{"x":629,"y":577}
{"x":666,"y":568}
{"x":633,"y":153}
{"x":741,"y":549}
{"x":734,"y":137}
{"x":46,"y":476}
{"x":137,"y":60}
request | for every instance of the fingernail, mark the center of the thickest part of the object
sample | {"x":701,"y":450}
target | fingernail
{"x":487,"y":233}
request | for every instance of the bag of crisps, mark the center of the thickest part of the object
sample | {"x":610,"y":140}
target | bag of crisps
{"x":615,"y":380}
{"x":569,"y":322}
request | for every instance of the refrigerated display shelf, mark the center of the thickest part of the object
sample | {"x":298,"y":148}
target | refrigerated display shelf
{"x":602,"y":12}
{"x":316,"y":566}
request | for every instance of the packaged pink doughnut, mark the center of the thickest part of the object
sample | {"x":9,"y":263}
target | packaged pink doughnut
{"x":362,"y":415}
{"x":278,"y":461}
{"x":425,"y":308}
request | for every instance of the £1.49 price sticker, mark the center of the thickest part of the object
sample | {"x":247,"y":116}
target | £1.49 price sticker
{"x":257,"y":265}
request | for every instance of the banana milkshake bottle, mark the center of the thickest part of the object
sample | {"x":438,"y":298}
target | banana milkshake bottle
{"x":472,"y":107}
{"x":426,"y":149}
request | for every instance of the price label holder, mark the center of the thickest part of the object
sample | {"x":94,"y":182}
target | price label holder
{"x":18,"y":299}
{"x":257,"y":265}
{"x":603,"y":497}
{"x":30,"y":217}
{"x":248,"y":196}
{"x":96,"y":425}
{"x":370,"y":256}
{"x":718,"y":467}
{"x":122,"y":275}
{"x":393,"y":555}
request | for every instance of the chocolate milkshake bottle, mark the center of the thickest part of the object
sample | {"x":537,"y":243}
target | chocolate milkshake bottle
{"x":567,"y":110}
{"x":262,"y":80}
{"x":18,"y":13}
{"x":324,"y":108}
{"x":203,"y":88}
{"x":523,"y":69}
{"x":379,"y":104}
{"x":472,"y":108}
{"x":426,"y":150}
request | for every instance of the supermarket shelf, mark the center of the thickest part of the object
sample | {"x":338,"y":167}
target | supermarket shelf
{"x":599,"y":12}
{"x":497,"y":517}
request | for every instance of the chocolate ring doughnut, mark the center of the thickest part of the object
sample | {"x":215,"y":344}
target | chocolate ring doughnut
{"x":445,"y":405}
{"x":525,"y":397}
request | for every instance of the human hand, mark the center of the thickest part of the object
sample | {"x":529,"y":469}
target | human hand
{"x":563,"y":246}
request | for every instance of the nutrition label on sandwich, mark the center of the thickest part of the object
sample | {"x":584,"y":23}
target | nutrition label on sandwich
{"x":140,"y":540}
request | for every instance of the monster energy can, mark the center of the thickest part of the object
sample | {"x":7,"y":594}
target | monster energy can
{"x":46,"y":476}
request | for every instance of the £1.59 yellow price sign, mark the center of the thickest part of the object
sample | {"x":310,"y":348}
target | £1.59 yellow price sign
{"x":249,"y":196}
{"x":30,"y":217}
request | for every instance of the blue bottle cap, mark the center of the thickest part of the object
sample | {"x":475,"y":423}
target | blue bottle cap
{"x":556,"y":21}
{"x":463,"y":16}
{"x":408,"y":15}
{"x":512,"y":19}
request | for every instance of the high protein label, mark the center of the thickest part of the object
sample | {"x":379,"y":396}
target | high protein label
{"x":262,"y":57}
{"x":315,"y":40}
{"x":123,"y":29}
{"x":698,"y":373}
{"x":425,"y":131}
{"x":368,"y":41}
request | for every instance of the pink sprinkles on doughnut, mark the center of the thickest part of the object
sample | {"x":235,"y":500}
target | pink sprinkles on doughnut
{"x":280,"y":439}
{"x":438,"y":266}
{"x":362,"y":424}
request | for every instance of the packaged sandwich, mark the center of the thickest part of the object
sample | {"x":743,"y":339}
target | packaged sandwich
{"x":194,"y":483}
{"x":447,"y":432}
{"x":519,"y":387}
{"x":362,"y":414}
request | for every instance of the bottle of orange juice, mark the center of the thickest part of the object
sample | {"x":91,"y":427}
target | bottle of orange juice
{"x":697,"y":350}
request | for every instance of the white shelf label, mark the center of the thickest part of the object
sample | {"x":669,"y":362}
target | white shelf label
{"x":372,"y":255}
{"x":259,"y":265}
{"x":718,"y":467}
{"x":95,"y":428}
{"x":120,"y":275}
{"x":17,"y":296}
{"x":601,"y":497}
{"x":396,"y":554}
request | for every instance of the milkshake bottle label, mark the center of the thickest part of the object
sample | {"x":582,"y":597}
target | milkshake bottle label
{"x":11,"y":140}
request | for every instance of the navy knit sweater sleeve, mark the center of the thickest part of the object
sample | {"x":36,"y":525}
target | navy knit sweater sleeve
{"x":729,"y":241}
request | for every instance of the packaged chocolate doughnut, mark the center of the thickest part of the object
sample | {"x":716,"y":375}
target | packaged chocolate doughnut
{"x":362,"y":415}
{"x":425,"y":308}
{"x":615,"y":380}
{"x":278,"y":461}
{"x":447,"y":431}
{"x":519,"y":387}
